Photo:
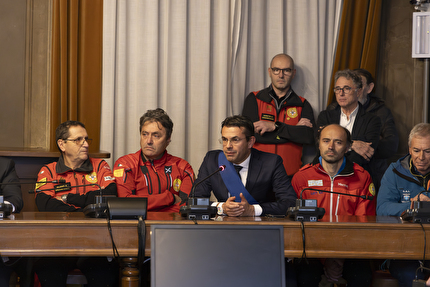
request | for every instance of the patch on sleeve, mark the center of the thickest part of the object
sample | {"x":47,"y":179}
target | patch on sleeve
{"x":118,"y":172}
{"x":41,"y":183}
{"x":315,"y":182}
{"x":177,"y":184}
{"x":372,"y":189}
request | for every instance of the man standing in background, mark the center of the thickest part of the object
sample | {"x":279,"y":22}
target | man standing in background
{"x":283,"y":121}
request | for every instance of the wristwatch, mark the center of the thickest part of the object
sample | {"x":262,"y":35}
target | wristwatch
{"x":64,"y":197}
{"x":220,"y":211}
{"x":276,"y":126}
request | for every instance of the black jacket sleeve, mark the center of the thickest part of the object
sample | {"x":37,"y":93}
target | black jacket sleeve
{"x":83,"y":200}
{"x":283,"y":190}
{"x":299,"y":134}
{"x":285,"y":133}
{"x":44,"y":202}
{"x":389,"y":138}
{"x":12,"y":192}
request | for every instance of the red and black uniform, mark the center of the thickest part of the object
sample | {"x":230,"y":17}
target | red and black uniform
{"x":351,"y":179}
{"x":92,"y":171}
{"x":288,"y":139}
{"x":157,"y":180}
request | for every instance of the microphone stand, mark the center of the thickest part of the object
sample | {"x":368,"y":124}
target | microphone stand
{"x":199,"y":208}
{"x":308,"y":210}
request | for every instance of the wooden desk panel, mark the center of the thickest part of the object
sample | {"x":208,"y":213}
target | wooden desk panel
{"x":71,"y":234}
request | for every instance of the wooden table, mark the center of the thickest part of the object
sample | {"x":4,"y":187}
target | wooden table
{"x":72,"y":234}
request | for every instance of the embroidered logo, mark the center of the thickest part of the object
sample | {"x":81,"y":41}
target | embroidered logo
{"x":315,"y":182}
{"x":41,"y":183}
{"x":118,"y":172}
{"x":92,"y":177}
{"x":406,"y":196}
{"x":372,"y":189}
{"x":342,"y":184}
{"x":177,"y":184}
{"x":168,"y":169}
{"x":292,"y":113}
{"x":269,"y":108}
{"x":108,"y":178}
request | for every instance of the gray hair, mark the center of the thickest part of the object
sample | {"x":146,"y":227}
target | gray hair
{"x":350,"y":75}
{"x":421,"y":130}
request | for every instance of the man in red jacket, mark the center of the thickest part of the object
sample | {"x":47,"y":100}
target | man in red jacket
{"x":151,"y":172}
{"x":332,"y":171}
{"x":283,"y":120}
{"x":75,"y":168}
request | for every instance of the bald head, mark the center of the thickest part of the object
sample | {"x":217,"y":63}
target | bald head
{"x":282,"y":56}
{"x":334,"y":141}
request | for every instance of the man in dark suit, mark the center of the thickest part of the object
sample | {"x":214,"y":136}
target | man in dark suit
{"x":253,"y":183}
{"x":349,"y":113}
{"x":11,"y":191}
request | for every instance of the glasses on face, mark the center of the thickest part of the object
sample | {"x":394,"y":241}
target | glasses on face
{"x":286,"y":71}
{"x":79,"y":140}
{"x":346,"y":90}
{"x":234,"y":141}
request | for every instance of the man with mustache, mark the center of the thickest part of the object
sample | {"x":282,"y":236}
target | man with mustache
{"x":333,"y":171}
{"x":151,"y":172}
{"x":283,"y":121}
{"x":76,"y":168}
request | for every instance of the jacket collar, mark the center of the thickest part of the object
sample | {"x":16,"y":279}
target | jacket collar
{"x":267,"y":95}
{"x":61,"y":167}
{"x":347,"y":167}
{"x":158,"y":162}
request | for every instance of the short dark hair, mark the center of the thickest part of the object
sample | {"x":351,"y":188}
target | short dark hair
{"x":348,"y":134}
{"x":62,"y":131}
{"x":160,"y":116}
{"x":350,"y":75}
{"x":240,"y":121}
{"x":365,"y":73}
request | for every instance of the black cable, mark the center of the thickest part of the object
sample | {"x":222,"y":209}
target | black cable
{"x":141,"y":231}
{"x":424,"y":254}
{"x":302,"y":225}
{"x":425,"y":243}
{"x":115,"y":250}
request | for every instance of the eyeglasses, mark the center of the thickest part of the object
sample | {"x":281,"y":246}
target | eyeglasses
{"x":286,"y":71}
{"x":79,"y":140}
{"x":346,"y":90}
{"x":234,"y":141}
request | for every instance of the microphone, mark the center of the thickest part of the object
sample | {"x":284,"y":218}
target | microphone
{"x":419,"y":212}
{"x":308,"y":210}
{"x":199,"y":207}
{"x":221,"y":168}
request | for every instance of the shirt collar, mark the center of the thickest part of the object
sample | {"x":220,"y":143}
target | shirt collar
{"x":341,"y":167}
{"x":245,"y":164}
